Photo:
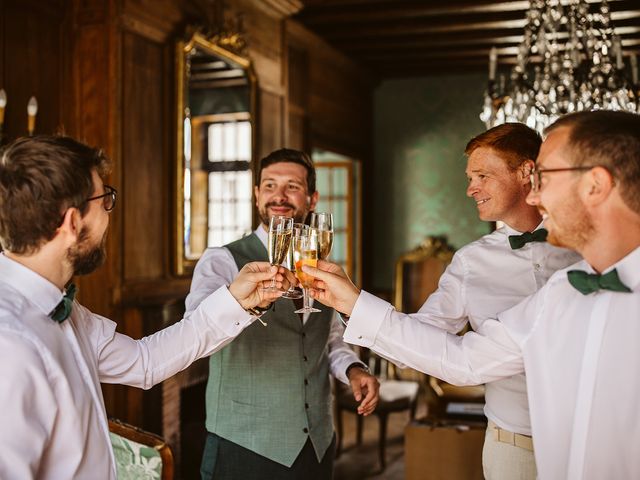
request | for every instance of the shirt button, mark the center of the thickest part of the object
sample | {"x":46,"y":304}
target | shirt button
{"x":304,"y":334}
{"x":304,"y":358}
{"x":537,"y":266}
{"x":305,"y":430}
{"x":359,"y":337}
{"x":237,"y":323}
{"x":306,"y":382}
{"x":306,"y":405}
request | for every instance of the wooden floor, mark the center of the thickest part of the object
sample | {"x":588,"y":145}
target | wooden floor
{"x":360,"y":462}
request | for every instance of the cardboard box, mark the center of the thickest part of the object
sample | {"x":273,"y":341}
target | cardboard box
{"x":444,"y":449}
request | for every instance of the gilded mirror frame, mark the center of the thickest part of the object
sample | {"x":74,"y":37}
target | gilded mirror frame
{"x":229,"y":48}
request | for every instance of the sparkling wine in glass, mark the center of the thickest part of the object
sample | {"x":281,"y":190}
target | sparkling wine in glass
{"x":279,"y":239}
{"x":305,"y":252}
{"x":323,"y":223}
{"x":298,"y":230}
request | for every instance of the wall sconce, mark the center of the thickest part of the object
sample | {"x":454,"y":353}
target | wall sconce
{"x":3,"y":104}
{"x":32,"y":110}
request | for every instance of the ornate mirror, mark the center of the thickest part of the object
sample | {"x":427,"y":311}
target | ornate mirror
{"x":215,"y":142}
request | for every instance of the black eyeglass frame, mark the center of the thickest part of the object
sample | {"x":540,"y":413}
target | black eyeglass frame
{"x":535,"y":176}
{"x":109,"y":192}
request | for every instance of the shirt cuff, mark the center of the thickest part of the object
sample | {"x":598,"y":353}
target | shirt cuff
{"x":222,"y":309}
{"x":366,"y":319}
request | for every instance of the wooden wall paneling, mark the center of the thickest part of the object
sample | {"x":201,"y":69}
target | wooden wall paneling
{"x":31,"y":49}
{"x":270,"y":122}
{"x":146,"y":198}
{"x":297,"y":77}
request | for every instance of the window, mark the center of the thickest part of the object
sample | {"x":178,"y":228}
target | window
{"x":338,"y":184}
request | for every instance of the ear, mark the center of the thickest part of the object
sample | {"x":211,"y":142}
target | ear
{"x":256,"y":192}
{"x":313,"y":201}
{"x":524,"y":171}
{"x":71,"y":224}
{"x":598,"y":184}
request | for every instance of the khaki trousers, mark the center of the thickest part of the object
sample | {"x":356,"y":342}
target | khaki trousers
{"x":502,"y":461}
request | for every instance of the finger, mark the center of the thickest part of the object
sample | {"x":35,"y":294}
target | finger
{"x":257,"y":267}
{"x":370,"y":397}
{"x":257,"y":277}
{"x":357,"y":393}
{"x":317,"y":273}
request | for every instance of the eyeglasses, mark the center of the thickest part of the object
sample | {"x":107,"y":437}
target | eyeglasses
{"x":536,"y":174}
{"x":108,"y":198}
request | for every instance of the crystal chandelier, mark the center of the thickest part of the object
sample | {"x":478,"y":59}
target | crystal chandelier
{"x":570,"y":60}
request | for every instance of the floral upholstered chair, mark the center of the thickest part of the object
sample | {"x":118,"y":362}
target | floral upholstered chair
{"x":139,"y":455}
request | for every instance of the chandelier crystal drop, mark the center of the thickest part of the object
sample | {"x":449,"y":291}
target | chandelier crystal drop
{"x":570,"y":60}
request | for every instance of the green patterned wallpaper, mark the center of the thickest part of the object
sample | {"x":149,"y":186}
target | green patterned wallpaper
{"x":421,"y":128}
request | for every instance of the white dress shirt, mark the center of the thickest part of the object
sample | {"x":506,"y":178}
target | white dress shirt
{"x":217,"y":267}
{"x":580,"y":353}
{"x":53,"y":423}
{"x":487,"y":277}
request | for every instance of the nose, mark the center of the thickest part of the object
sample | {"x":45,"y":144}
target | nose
{"x":533,"y":198}
{"x":280,"y":194}
{"x":472,"y":189}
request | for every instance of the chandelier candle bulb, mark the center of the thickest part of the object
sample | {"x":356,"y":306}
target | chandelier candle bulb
{"x":493,"y":63}
{"x":32,"y":111}
{"x":3,"y":104}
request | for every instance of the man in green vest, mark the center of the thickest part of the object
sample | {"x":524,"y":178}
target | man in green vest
{"x":268,"y":394}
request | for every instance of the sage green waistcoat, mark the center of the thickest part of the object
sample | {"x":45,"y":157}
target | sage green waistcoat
{"x":268,"y":390}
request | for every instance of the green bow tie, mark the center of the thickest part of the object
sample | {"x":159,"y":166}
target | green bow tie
{"x":63,"y":309}
{"x":519,"y":241}
{"x":587,"y":283}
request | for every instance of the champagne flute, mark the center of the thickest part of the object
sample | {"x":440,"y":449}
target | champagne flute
{"x":323,"y":223}
{"x":278,"y":242}
{"x":305,"y":252}
{"x":298,"y":230}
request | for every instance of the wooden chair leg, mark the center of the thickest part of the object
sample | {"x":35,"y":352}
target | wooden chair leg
{"x":359,"y":424}
{"x":382,"y":417}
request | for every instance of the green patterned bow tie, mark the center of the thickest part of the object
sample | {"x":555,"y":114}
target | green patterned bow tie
{"x":519,"y":241}
{"x":63,"y":309}
{"x":587,"y":283}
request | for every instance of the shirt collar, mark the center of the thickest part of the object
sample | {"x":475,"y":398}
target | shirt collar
{"x":628,"y":269}
{"x":261,"y":233}
{"x":38,"y":290}
{"x":507,"y":230}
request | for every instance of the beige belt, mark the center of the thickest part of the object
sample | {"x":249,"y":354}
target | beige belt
{"x":505,"y":436}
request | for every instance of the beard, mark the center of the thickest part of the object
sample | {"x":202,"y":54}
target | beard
{"x":575,"y":229}
{"x":299,"y":216}
{"x":83,"y":256}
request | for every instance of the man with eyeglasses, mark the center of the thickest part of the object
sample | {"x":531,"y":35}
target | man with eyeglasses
{"x":577,"y":337}
{"x":54,"y":353}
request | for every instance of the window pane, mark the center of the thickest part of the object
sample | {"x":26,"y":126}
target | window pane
{"x":322,"y":182}
{"x":340,"y":182}
{"x":229,"y":142}
{"x":215,"y":142}
{"x":244,"y":141}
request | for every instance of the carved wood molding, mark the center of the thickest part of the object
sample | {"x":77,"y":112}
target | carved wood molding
{"x":280,"y":8}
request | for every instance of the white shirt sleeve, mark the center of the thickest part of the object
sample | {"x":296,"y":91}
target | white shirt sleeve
{"x":472,"y":359}
{"x":144,"y":363}
{"x":215,"y":268}
{"x":28,"y":407}
{"x":340,"y":354}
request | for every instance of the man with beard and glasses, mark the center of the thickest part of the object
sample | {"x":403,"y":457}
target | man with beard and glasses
{"x":54,"y":214}
{"x":268,"y":396}
{"x":576,"y":338}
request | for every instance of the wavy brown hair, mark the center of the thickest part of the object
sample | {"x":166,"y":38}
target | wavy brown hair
{"x":40,"y":178}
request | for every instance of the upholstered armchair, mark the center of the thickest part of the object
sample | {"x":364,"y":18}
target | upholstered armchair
{"x":140,"y":455}
{"x":416,"y":277}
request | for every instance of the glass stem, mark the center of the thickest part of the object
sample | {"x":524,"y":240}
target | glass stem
{"x":305,"y":298}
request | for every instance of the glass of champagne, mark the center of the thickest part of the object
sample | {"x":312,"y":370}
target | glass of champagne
{"x":298,"y":230}
{"x":279,"y":239}
{"x":305,"y":252}
{"x":323,"y":223}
